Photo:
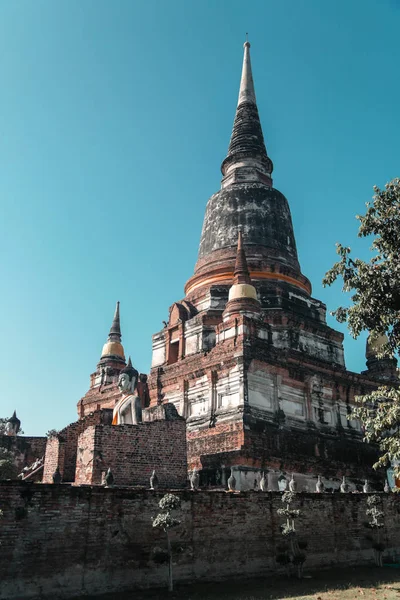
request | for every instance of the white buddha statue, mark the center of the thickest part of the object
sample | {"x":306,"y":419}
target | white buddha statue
{"x":128,"y":410}
{"x":13,"y":425}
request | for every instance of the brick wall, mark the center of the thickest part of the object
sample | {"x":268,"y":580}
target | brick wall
{"x":61,"y":450}
{"x":96,"y":540}
{"x":209,"y":445}
{"x":332,"y":454}
{"x":55,"y":453}
{"x":132,"y":452}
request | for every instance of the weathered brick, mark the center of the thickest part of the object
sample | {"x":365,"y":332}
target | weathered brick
{"x":85,"y":539}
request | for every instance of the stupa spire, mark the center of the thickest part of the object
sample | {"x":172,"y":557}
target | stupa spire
{"x":247,"y":200}
{"x":115,"y":330}
{"x":246,"y":91}
{"x":241,"y":273}
{"x":113,"y":349}
{"x":247,"y":150}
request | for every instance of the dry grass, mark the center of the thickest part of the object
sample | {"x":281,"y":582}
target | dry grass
{"x":339,"y":584}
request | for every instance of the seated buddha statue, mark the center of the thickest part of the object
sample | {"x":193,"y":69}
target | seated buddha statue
{"x":128,"y":410}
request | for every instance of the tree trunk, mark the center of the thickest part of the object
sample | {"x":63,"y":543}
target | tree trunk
{"x":300,"y":571}
{"x":170,"y":581}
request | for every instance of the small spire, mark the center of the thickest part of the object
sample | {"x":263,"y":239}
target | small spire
{"x":113,"y":348}
{"x":241,"y":273}
{"x":246,"y":91}
{"x":247,"y":140}
{"x":116,"y":326}
{"x":242,"y":295}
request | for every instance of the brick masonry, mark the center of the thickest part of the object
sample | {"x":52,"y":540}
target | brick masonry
{"x":78,"y":540}
{"x":61,"y":450}
{"x":254,"y":405}
{"x":132,"y":452}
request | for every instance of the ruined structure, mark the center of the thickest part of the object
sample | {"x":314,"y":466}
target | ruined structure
{"x":84,"y":451}
{"x":248,"y":389}
{"x":247,"y":356}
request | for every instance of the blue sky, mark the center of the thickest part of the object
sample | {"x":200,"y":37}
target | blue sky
{"x":115,"y":118}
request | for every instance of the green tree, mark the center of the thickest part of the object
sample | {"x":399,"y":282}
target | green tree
{"x":166,"y":521}
{"x":292,"y":554}
{"x":376,"y":522}
{"x":7,"y":466}
{"x":374,"y":286}
{"x":52,"y":433}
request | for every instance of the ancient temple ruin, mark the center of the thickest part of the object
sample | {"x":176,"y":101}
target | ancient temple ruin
{"x":247,"y":356}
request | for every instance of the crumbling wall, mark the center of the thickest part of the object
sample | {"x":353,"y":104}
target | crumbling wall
{"x":132,"y":452}
{"x":61,"y":449}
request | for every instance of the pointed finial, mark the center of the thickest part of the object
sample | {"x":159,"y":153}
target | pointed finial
{"x":116,"y":327}
{"x":113,"y":348}
{"x":246,"y":91}
{"x":247,"y":43}
{"x":129,"y":363}
{"x":240,"y":239}
{"x":247,"y":140}
{"x":241,"y":273}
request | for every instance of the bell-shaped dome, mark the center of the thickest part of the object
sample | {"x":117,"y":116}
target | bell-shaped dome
{"x":247,"y":202}
{"x":113,"y":349}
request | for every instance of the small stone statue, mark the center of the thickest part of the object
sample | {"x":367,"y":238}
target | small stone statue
{"x":232,"y":482}
{"x":194,"y":480}
{"x":282,"y":483}
{"x":57,"y":477}
{"x":263,"y":483}
{"x":319,"y":486}
{"x":293,"y":484}
{"x":153,"y":481}
{"x":109,"y":478}
{"x":366,"y":487}
{"x":387,"y":489}
{"x":344,"y":486}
